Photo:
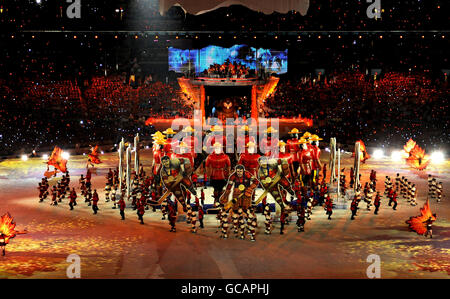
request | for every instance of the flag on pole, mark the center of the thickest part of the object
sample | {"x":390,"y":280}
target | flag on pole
{"x":93,"y":157}
{"x":57,"y":160}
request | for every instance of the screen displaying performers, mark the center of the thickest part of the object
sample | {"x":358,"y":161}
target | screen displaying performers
{"x":238,"y":60}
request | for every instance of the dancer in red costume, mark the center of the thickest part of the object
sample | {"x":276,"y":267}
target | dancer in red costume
{"x":243,"y":139}
{"x":191,"y":141}
{"x":216,"y":136}
{"x":269,"y":144}
{"x":316,"y":165}
{"x":158,"y":153}
{"x":249,"y":159}
{"x":293,"y":147}
{"x":170,"y":144}
{"x":284,"y":154}
{"x":305,"y":158}
{"x":218,"y":167}
{"x":183,"y":151}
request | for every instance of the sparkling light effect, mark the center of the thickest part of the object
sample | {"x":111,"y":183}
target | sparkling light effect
{"x":378,"y":154}
{"x":437,"y":157}
{"x":397,"y":156}
{"x":65,"y":155}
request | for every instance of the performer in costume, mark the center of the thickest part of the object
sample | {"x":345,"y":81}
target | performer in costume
{"x":352,"y":177}
{"x":249,"y":158}
{"x":218,"y":167}
{"x":272,"y":176}
{"x":267,"y":217}
{"x":293,"y":147}
{"x":183,"y":151}
{"x":377,"y":202}
{"x":439,"y":190}
{"x":175,"y":174}
{"x":158,"y":153}
{"x":215,"y":137}
{"x":316,"y":165}
{"x":243,"y":140}
{"x":305,"y":159}
{"x":95,"y":202}
{"x":193,"y":143}
{"x":268,"y":145}
{"x":122,"y":206}
{"x":329,"y":207}
{"x":170,"y":144}
{"x":244,"y":184}
{"x":284,"y":154}
{"x":73,"y":198}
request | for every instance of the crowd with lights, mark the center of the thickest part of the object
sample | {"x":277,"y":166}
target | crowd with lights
{"x":352,"y":105}
{"x":36,"y":114}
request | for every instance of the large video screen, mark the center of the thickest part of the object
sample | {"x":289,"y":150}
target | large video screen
{"x":199,"y":60}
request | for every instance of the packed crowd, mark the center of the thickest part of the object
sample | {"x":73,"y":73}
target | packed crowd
{"x":228,"y":70}
{"x":352,"y":106}
{"x":35,"y":115}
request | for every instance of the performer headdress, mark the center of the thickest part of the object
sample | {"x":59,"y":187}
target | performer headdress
{"x":315,"y":138}
{"x":216,"y":129}
{"x":270,"y":130}
{"x":169,"y":131}
{"x":189,"y":129}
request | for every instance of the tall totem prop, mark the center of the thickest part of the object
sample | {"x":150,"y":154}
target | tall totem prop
{"x":136,"y":154}
{"x":121,"y":146}
{"x":356,"y":165}
{"x":333,"y":160}
{"x":128,"y":180}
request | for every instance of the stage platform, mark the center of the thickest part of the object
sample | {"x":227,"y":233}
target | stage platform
{"x":261,"y":89}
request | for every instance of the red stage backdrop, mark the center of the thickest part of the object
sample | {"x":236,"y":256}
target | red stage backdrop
{"x":198,"y":7}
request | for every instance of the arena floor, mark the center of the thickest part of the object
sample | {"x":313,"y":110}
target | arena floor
{"x":111,"y":248}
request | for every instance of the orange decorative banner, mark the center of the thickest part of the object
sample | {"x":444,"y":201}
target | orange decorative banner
{"x":94,"y":156}
{"x":57,"y":160}
{"x":418,"y":223}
